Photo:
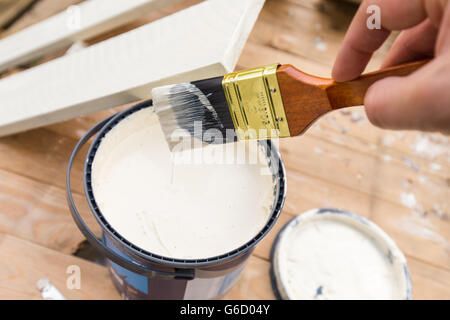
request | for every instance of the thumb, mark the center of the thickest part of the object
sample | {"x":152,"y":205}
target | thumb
{"x":419,"y":101}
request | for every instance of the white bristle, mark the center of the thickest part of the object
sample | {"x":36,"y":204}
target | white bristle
{"x":160,"y":98}
{"x":185,"y":111}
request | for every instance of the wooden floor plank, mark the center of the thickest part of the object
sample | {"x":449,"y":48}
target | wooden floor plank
{"x":429,"y":282}
{"x":94,"y":18}
{"x":23,"y":263}
{"x":39,"y":213}
{"x":363,"y":172}
{"x":254,"y":283}
{"x":351,"y":129}
{"x":11,"y":10}
{"x":41,"y":155}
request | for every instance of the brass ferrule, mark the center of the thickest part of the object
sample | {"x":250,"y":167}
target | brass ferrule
{"x":255,"y":103}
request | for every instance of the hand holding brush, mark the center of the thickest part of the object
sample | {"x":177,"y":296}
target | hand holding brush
{"x":261,"y":103}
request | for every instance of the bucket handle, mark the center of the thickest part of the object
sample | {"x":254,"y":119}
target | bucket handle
{"x":182,"y":274}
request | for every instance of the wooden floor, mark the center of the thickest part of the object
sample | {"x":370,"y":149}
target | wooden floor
{"x":399,"y":180}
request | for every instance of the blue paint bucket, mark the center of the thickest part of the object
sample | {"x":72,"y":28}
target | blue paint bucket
{"x":139,"y":274}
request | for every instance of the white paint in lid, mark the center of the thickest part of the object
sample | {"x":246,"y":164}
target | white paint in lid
{"x":332,"y":254}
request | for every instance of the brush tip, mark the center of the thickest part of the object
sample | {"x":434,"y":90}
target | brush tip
{"x":194,"y":109}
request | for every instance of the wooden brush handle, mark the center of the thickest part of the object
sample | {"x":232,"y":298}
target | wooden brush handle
{"x":351,"y":93}
{"x":306,"y":97}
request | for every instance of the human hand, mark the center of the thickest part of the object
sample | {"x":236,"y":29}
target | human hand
{"x":422,"y":99}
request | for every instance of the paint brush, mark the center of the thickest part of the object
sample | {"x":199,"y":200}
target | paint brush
{"x":276,"y":101}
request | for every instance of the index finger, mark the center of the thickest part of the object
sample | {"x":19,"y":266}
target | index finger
{"x":361,"y":42}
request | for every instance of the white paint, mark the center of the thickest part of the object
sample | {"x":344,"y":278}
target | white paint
{"x":406,"y":183}
{"x":420,"y":227}
{"x":408,"y":200}
{"x":411,"y":164}
{"x":186,"y":211}
{"x":356,"y":117}
{"x":431,"y":146}
{"x":423,"y":179}
{"x":48,"y":290}
{"x":388,"y":140}
{"x":318,"y":150}
{"x":202,"y":41}
{"x":438,"y":211}
{"x":320,"y":44}
{"x":434,"y":166}
{"x":77,"y":46}
{"x":387,"y":158}
{"x":77,"y":23}
{"x":335,"y":256}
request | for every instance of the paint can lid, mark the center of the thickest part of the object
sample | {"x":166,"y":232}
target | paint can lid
{"x":334,"y":254}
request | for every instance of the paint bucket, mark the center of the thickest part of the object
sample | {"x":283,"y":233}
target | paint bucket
{"x":139,"y":274}
{"x":310,"y":261}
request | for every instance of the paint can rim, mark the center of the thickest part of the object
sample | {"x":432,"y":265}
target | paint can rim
{"x":146,"y":256}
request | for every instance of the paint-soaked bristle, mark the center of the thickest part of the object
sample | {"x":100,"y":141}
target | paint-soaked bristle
{"x":194,"y":109}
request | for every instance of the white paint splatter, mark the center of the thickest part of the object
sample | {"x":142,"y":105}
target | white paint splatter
{"x":430,"y":146}
{"x":387,"y":158}
{"x":318,"y":150}
{"x":388,"y":141}
{"x":332,"y":122}
{"x":356,"y":117}
{"x":291,"y":207}
{"x":438,"y":211}
{"x":420,"y":227}
{"x":423,"y":179}
{"x":79,"y":133}
{"x":320,"y":44}
{"x":48,"y":290}
{"x":435,"y":166}
{"x":297,"y":177}
{"x":411,"y":164}
{"x":408,"y":200}
{"x":406,"y":184}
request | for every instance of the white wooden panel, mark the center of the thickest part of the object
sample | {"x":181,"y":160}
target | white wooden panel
{"x":79,"y":22}
{"x":202,"y":41}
